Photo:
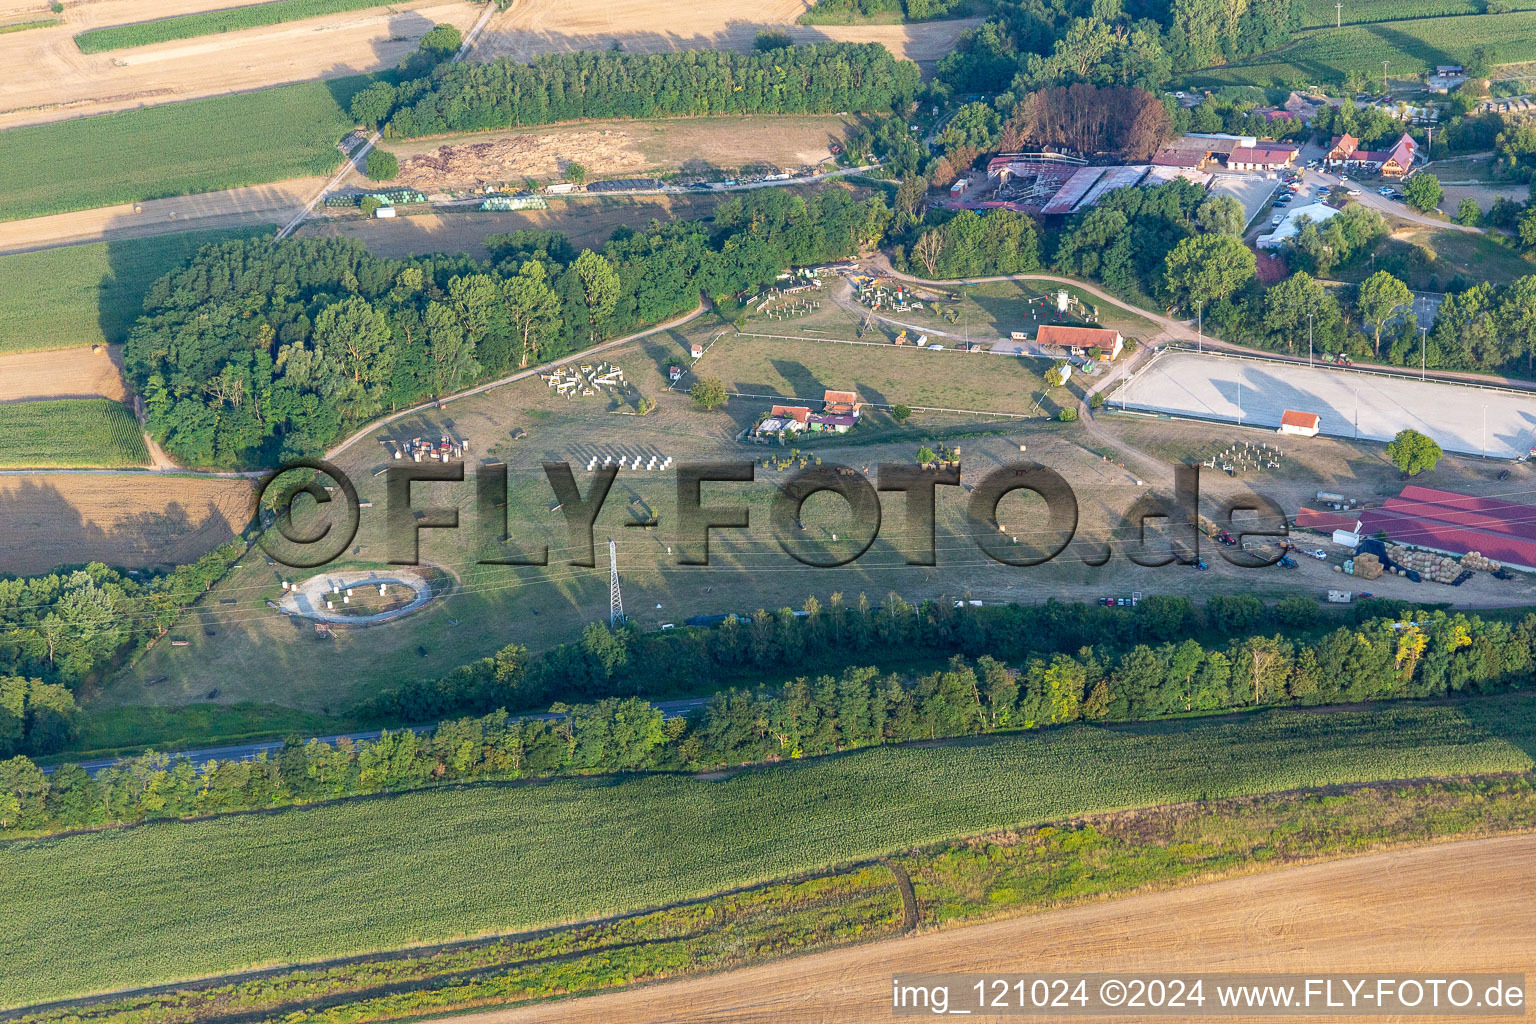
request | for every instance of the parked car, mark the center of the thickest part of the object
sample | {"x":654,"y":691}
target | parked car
{"x":1353,"y":192}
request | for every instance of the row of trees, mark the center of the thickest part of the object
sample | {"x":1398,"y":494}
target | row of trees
{"x":475,"y":95}
{"x":261,"y":350}
{"x":626,"y":662}
{"x":1397,"y":657}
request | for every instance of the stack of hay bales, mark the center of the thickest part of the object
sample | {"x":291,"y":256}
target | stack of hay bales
{"x":1439,"y":568}
{"x":1475,"y":560}
{"x":1367,"y":566}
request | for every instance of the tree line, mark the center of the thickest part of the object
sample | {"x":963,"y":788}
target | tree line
{"x":474,"y":95}
{"x":259,"y":350}
{"x":1168,"y":670}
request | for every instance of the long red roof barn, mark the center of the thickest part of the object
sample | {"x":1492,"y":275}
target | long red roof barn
{"x":1458,"y":523}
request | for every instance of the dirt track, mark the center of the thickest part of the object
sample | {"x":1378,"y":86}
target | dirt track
{"x":49,"y":79}
{"x":532,"y":27}
{"x":235,"y":207}
{"x":1464,"y":906}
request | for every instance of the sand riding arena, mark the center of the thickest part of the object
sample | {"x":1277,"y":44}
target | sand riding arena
{"x":359,"y":597}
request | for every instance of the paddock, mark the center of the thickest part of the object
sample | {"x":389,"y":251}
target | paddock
{"x":1461,"y":418}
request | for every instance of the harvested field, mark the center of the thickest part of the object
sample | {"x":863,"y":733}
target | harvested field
{"x":532,"y":27}
{"x":133,"y":520}
{"x":1470,"y":902}
{"x":65,"y":83}
{"x":94,"y":372}
{"x":616,"y":149}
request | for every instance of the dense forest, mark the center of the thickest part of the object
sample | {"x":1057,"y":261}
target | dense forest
{"x":474,"y":95}
{"x":260,"y":350}
{"x":1126,"y":665}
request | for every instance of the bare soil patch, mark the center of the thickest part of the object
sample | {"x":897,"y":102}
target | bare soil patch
{"x":1418,"y":909}
{"x":86,"y":372}
{"x":133,"y":520}
{"x":533,"y":27}
{"x":615,"y":149}
{"x":49,"y":78}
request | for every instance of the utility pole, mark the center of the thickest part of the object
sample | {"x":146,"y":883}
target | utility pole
{"x":615,"y":599}
{"x":1423,"y":351}
{"x":1200,"y":329}
{"x":1309,"y":341}
{"x":1429,"y":144}
{"x":1338,"y":14}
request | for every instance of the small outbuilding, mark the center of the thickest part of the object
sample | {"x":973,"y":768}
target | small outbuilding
{"x":1301,"y":424}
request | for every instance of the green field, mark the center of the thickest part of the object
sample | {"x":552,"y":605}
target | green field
{"x":70,"y":433}
{"x":176,"y":148}
{"x":22,"y":26}
{"x":88,"y":294}
{"x":226,"y":893}
{"x":1412,"y":47}
{"x":1317,"y":13}
{"x":186,"y":26}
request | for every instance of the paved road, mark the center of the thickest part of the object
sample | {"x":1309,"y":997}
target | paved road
{"x":251,"y":751}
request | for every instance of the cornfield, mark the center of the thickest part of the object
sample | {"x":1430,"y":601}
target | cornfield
{"x":331,"y":880}
{"x":187,"y":26}
{"x":288,"y":131}
{"x":1316,"y":13}
{"x":70,"y":433}
{"x":1411,"y":47}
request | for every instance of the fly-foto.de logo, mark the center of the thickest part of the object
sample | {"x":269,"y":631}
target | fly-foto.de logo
{"x":1158,"y":529}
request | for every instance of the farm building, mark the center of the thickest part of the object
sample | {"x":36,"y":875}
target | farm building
{"x":1300,"y":424}
{"x":1291,"y":222}
{"x":1394,"y":162}
{"x":1455,"y":524}
{"x":1234,"y":152}
{"x":836,"y":423}
{"x":1076,"y":187}
{"x":1324,"y":522}
{"x":1076,"y":341}
{"x":841,"y":403}
{"x":1262,"y":156}
{"x":798,"y":415}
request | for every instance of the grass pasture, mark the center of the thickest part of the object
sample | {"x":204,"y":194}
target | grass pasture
{"x":883,"y":374}
{"x":222,"y":894}
{"x":288,"y":131}
{"x":71,"y":433}
{"x":205,"y":23}
{"x":88,"y":294}
{"x":1412,"y":46}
